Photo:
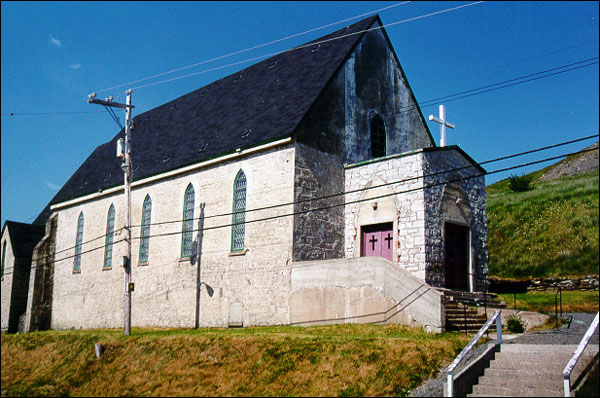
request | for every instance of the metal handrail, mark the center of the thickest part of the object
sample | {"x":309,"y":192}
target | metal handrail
{"x":577,"y":354}
{"x":450,"y":371}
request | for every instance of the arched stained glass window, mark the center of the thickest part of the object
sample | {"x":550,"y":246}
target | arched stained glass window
{"x":187,"y":230}
{"x":78,"y":244}
{"x":145,"y":232}
{"x":238,"y":229}
{"x":378,"y":137}
{"x":110,"y":231}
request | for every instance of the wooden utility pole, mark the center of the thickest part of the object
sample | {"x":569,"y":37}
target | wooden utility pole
{"x":125,"y":154}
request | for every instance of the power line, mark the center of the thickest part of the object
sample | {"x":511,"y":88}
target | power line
{"x":508,"y":64}
{"x":254,"y":47}
{"x":355,"y":201}
{"x":510,"y":85}
{"x":481,"y":90}
{"x":425,"y":103}
{"x":309,"y":45}
{"x":384,"y":184}
{"x":371,"y":198}
{"x":112,"y":114}
{"x":506,"y":157}
{"x":435,"y":101}
{"x":46,"y":113}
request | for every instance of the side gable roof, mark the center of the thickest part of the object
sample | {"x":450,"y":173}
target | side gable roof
{"x":23,"y":237}
{"x":261,"y":103}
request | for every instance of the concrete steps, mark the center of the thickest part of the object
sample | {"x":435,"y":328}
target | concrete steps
{"x":530,"y":370}
{"x":461,"y":309}
{"x":459,"y":317}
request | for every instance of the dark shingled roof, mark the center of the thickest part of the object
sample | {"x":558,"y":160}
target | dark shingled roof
{"x":261,"y":103}
{"x":24,"y":237}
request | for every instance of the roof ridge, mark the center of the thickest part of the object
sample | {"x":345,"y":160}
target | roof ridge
{"x":260,"y":103}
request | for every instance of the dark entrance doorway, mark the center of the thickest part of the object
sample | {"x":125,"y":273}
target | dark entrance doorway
{"x":378,"y":241}
{"x":456,"y":250}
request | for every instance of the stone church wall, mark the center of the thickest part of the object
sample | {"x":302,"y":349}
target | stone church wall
{"x":473,"y":189}
{"x":318,"y":235}
{"x":336,"y":131}
{"x":38,"y":315}
{"x":403,"y":205}
{"x":250,"y":287}
{"x":7,"y":279}
{"x":15,"y":282}
{"x":375,"y":84}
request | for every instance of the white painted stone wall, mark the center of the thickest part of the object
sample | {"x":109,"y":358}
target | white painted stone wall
{"x":7,"y":279}
{"x":256,"y":281}
{"x":403,"y":205}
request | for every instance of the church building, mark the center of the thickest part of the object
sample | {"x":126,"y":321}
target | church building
{"x":304,"y":189}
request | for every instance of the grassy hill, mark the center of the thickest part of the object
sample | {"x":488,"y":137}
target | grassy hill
{"x":334,"y":360}
{"x":551,"y":230}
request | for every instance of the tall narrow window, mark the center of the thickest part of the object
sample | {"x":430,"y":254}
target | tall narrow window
{"x":78,"y":243}
{"x":238,"y":229}
{"x":3,"y":257}
{"x":187,"y":234}
{"x":145,"y":232}
{"x":378,"y":137}
{"x":110,"y":231}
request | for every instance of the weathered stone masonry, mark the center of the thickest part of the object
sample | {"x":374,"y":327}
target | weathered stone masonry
{"x":299,"y":126}
{"x":165,"y":287}
{"x":471,"y":208}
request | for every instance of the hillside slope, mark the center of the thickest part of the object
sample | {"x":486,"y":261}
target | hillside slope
{"x":551,"y":230}
{"x":334,"y":360}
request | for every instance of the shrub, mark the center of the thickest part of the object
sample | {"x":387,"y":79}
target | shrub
{"x":515,"y":324}
{"x":520,"y":183}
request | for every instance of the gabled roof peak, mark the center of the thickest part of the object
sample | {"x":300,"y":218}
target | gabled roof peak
{"x":263,"y":102}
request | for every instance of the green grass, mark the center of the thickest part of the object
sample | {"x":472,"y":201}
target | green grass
{"x":333,"y":360}
{"x":543,"y":302}
{"x":551,"y":230}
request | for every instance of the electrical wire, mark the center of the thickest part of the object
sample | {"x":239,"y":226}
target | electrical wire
{"x":448,"y":98}
{"x":112,"y":114}
{"x":254,"y":47}
{"x":307,"y":45}
{"x":294,"y":213}
{"x":46,"y":113}
{"x":508,"y":64}
{"x":296,"y":202}
{"x":405,"y":180}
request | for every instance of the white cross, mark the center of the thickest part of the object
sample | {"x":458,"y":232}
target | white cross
{"x":442,"y":121}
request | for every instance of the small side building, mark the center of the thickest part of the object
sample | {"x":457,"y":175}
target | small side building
{"x":18,"y":242}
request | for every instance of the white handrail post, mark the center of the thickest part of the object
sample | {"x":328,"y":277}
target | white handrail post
{"x":567,"y":385}
{"x":463,"y":353}
{"x":499,"y":329}
{"x":578,"y":351}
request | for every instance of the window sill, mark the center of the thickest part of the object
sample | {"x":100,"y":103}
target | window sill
{"x":184,"y":259}
{"x":106,"y":268}
{"x":238,"y":253}
{"x":145,"y":264}
{"x":76,"y":271}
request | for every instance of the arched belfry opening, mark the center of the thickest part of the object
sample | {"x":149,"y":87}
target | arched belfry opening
{"x":378,"y":137}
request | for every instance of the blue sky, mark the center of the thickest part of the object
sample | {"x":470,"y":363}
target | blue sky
{"x":55,"y":53}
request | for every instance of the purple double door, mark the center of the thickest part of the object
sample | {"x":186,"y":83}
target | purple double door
{"x":378,"y":241}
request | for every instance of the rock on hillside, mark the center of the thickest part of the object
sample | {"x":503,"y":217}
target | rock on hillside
{"x":575,"y":164}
